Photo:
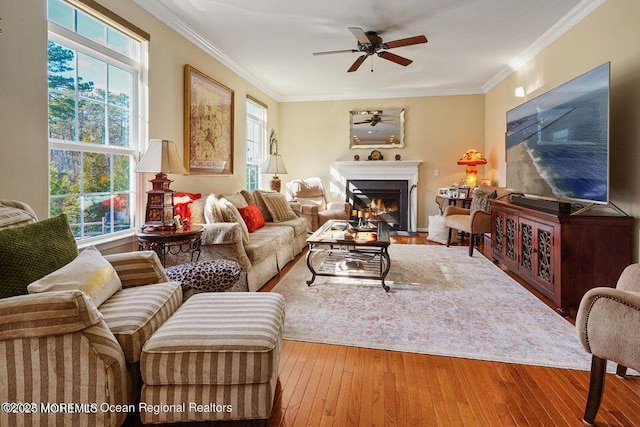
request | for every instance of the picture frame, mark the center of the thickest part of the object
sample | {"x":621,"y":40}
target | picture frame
{"x":443,"y":191}
{"x":208,"y":124}
{"x":463,"y":193}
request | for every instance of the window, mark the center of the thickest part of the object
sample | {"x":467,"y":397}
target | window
{"x":256,"y":142}
{"x":93,"y":76}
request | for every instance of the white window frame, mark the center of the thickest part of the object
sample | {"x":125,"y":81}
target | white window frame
{"x":139,"y":113}
{"x":260,"y":145}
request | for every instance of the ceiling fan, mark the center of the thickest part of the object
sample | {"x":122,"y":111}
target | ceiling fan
{"x":370,"y":43}
{"x":374,"y":120}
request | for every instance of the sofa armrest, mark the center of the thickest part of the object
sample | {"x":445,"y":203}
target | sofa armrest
{"x":310,"y":209}
{"x":296,"y":207}
{"x":220,"y":233}
{"x":46,"y":314}
{"x":138,"y":268}
{"x":480,"y":221}
{"x":228,"y":234}
{"x":339,"y":206}
{"x":607,"y":322}
{"x":455,"y":210}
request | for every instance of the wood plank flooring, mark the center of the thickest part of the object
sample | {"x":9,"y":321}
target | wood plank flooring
{"x":329,"y":385}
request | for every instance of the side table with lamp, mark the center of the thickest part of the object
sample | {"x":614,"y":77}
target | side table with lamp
{"x":160,"y":158}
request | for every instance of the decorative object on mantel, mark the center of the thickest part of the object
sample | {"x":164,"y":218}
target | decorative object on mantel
{"x":276,"y":166}
{"x":161,"y":158}
{"x":356,"y":157}
{"x":472,"y":158}
{"x":398,"y":157}
{"x":273,"y":143}
{"x":375,"y":155}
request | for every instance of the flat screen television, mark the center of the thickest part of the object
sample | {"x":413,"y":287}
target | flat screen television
{"x":558,"y":143}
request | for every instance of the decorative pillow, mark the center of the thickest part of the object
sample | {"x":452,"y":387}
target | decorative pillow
{"x":278,"y":207}
{"x":480,"y":201}
{"x":236,"y":199}
{"x":257,"y":194}
{"x":252,"y":217}
{"x":231,"y":214}
{"x":248,"y":197}
{"x":438,"y":232}
{"x":89,"y":273}
{"x":212,"y":210}
{"x":31,"y":252}
{"x":181,"y":201}
{"x":197,"y":211}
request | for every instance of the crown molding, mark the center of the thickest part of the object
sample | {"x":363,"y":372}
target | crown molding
{"x":408,"y":93}
{"x":574,"y":16}
{"x":166,"y":16}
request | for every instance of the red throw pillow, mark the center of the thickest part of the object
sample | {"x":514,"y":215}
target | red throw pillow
{"x":181,"y":202}
{"x":252,"y":217}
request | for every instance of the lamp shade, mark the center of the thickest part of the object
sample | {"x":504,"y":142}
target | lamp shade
{"x":161,"y":156}
{"x":276,"y":165}
{"x":472,"y":157}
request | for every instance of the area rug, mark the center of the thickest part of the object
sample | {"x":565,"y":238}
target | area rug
{"x":442,"y":302}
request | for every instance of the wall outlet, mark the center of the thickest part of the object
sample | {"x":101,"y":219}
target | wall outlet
{"x":436,"y":172}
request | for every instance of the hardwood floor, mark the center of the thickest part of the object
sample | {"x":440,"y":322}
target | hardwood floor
{"x":329,"y":385}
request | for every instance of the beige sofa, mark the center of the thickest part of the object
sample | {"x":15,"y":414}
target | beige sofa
{"x":266,"y":251}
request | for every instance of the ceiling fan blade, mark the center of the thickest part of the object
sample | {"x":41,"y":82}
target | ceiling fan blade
{"x":362,"y":123}
{"x":404,"y":42}
{"x":395,"y":58}
{"x":360,"y":35}
{"x":328,"y":52}
{"x":357,"y":64}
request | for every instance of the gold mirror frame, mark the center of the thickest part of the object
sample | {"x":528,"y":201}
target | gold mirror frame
{"x":376,"y":128}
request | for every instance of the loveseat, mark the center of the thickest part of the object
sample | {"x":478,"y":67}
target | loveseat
{"x":261,"y":253}
{"x":58,"y":347}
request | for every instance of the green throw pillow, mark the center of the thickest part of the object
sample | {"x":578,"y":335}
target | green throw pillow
{"x":31,"y":252}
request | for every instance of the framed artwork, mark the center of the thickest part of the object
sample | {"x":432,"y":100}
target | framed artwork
{"x":463,"y":193}
{"x":208,"y":125}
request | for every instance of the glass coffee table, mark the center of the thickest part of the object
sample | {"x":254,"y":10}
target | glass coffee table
{"x":338,"y":250}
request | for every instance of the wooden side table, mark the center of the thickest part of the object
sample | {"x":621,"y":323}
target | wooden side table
{"x":173,"y":242}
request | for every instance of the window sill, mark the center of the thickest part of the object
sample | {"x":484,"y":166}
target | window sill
{"x":111,"y":241}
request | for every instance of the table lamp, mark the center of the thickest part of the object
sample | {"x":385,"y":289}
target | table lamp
{"x":472,"y":158}
{"x":275,"y":166}
{"x":161,"y":158}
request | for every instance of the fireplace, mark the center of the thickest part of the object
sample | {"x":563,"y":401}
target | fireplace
{"x":399,"y":173}
{"x":383,"y":200}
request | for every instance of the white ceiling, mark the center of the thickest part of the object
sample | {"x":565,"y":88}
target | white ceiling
{"x":473,"y":44}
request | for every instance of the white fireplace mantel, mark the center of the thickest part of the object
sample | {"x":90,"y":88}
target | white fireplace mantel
{"x":382,"y":170}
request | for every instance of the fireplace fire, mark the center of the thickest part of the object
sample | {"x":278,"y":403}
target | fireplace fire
{"x":381,"y":200}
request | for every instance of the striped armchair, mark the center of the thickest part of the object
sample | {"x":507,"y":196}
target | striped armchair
{"x":57,"y":347}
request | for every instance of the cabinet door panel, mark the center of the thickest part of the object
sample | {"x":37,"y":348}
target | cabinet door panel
{"x":545,"y":262}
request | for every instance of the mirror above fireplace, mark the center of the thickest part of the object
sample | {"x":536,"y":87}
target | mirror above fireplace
{"x":382,"y":128}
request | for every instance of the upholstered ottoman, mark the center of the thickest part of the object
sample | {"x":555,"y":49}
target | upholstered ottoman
{"x":215,"y":359}
{"x":205,"y":276}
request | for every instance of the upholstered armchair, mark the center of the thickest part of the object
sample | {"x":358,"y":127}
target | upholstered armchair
{"x":316,"y":208}
{"x":607,"y":325}
{"x":59,"y":346}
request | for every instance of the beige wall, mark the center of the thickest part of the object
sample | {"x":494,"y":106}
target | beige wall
{"x":609,"y":34}
{"x":23,"y":96}
{"x":438,"y":130}
{"x":23,"y":104}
